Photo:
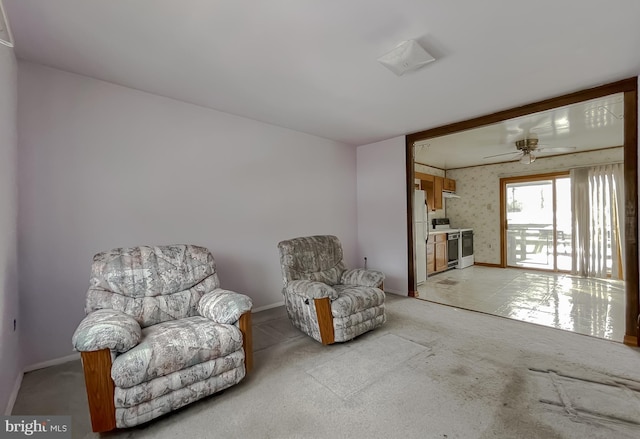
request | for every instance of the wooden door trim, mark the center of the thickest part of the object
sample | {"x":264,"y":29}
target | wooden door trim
{"x":632,"y":308}
{"x":410,"y":173}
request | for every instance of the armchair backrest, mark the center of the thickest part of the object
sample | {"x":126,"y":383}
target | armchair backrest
{"x":152,"y":284}
{"x":316,"y":258}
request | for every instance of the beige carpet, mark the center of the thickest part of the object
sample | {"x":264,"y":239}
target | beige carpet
{"x":431,"y":372}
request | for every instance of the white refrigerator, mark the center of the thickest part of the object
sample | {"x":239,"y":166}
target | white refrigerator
{"x":421,"y":231}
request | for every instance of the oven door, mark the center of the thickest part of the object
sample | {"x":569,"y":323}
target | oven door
{"x":466,"y":249}
{"x":452,"y":249}
{"x":467,"y":243}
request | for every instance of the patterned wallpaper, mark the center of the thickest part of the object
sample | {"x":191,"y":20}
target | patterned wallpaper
{"x":479,"y":188}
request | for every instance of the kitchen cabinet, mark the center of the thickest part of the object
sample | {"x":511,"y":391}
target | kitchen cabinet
{"x":438,"y":184}
{"x":431,"y":256}
{"x":437,"y":253}
{"x":440,"y":252}
{"x":449,"y":185}
{"x":433,"y":186}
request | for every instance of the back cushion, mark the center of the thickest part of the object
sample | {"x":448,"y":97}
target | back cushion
{"x":152,"y":284}
{"x":316,"y":258}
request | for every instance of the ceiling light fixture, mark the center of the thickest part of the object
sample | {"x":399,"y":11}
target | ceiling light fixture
{"x":527,"y":158}
{"x":406,"y":56}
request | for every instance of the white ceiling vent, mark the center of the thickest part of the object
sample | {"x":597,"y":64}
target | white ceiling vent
{"x":5,"y":31}
{"x":407,"y":56}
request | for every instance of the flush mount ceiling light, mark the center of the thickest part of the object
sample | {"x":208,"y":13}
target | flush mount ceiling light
{"x":405,"y":57}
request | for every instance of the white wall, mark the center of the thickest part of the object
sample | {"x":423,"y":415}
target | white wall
{"x":10,"y":360}
{"x":479,"y":188}
{"x":103,"y":166}
{"x":382,"y":211}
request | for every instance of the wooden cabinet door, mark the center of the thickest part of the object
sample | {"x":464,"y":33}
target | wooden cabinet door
{"x":427,"y":187}
{"x":433,"y":187}
{"x":449,"y":185}
{"x":438,"y":184}
{"x":431,"y":256}
{"x":441,"y":252}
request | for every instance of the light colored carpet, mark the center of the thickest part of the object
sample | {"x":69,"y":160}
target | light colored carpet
{"x":374,"y":358}
{"x":431,"y":371}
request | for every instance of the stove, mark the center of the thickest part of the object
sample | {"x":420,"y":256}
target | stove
{"x":459,"y":243}
{"x":441,"y":224}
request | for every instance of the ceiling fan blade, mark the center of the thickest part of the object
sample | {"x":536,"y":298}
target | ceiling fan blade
{"x":506,"y":153}
{"x":557,"y":148}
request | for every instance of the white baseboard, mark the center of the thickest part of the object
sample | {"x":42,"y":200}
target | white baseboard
{"x":53,"y":362}
{"x":266,"y":307}
{"x":14,"y":395}
{"x":398,"y":293}
{"x":30,"y":368}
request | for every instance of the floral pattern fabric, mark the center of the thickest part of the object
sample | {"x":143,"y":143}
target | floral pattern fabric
{"x":312,"y":267}
{"x":151,"y":270}
{"x":156,"y":309}
{"x":341,"y":334}
{"x":362,"y":277}
{"x":131,"y":416}
{"x":315,"y":258}
{"x":352,"y":300}
{"x":106,"y":329}
{"x":144,"y":303}
{"x":171,"y":346}
{"x":148,"y":390}
{"x":152,"y":284}
{"x":302,"y":313}
{"x":311,"y":290}
{"x":223,"y":306}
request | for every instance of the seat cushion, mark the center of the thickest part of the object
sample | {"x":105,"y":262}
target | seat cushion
{"x":188,"y":377}
{"x":171,"y":346}
{"x":352,"y":299}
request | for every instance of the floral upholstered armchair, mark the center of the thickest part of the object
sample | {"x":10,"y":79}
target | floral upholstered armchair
{"x":159,"y":333}
{"x":323,"y":299}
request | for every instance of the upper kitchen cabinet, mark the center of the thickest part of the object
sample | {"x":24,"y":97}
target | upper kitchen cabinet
{"x":449,"y":185}
{"x":438,"y":184}
{"x":433,"y":186}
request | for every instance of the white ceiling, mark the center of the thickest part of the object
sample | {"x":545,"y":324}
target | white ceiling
{"x":589,"y":125}
{"x":311,"y":65}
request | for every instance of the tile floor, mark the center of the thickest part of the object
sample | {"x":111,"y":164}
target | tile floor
{"x":592,"y":307}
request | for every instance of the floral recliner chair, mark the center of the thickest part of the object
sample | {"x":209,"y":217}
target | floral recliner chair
{"x":159,"y":333}
{"x":325,"y":300}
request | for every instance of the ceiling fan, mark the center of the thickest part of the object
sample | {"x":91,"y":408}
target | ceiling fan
{"x":525,"y":148}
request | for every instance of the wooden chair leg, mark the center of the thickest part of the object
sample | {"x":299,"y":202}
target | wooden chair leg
{"x":100,"y":389}
{"x":247,"y":340}
{"x":325,"y":320}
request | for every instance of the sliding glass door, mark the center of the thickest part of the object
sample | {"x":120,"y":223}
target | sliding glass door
{"x":537,"y":226}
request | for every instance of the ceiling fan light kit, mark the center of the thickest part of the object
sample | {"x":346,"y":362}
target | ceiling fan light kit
{"x":530,"y":143}
{"x":405,"y":57}
{"x":527,"y":158}
{"x":526,"y":147}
